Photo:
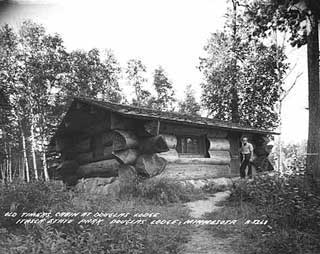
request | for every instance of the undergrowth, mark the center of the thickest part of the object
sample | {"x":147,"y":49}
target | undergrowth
{"x":79,"y":238}
{"x":289,"y":204}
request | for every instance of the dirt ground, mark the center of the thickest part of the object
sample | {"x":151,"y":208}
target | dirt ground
{"x":202,"y":241}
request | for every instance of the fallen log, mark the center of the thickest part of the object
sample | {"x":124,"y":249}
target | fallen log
{"x":128,"y":156}
{"x":150,"y":165}
{"x":105,"y":168}
{"x":124,"y":140}
{"x":151,"y":145}
{"x":194,"y":171}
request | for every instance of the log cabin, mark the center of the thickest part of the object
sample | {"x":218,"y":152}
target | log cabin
{"x":97,"y":138}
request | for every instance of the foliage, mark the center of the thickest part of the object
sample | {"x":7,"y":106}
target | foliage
{"x":22,"y":197}
{"x":301,"y":19}
{"x":38,"y":75}
{"x":189,"y":105}
{"x":77,"y":238}
{"x":249,"y":71}
{"x":287,"y":203}
{"x":295,"y":155}
{"x":93,"y":75}
{"x":136,"y":71}
{"x":164,"y":98}
{"x":291,"y":15}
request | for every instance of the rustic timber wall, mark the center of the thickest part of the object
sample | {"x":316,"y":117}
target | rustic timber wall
{"x":182,"y":168}
{"x":150,"y":148}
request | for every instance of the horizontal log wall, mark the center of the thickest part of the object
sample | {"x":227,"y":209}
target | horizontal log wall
{"x":170,"y":155}
{"x":101,"y":154}
{"x":124,"y":140}
{"x":219,"y":149}
{"x":194,"y":171}
{"x":104,"y":168}
{"x":210,"y":161}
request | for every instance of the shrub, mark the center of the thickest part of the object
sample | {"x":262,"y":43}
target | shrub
{"x":22,"y":197}
{"x":291,"y":207}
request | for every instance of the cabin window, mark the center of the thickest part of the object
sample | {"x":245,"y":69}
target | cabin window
{"x":190,"y":146}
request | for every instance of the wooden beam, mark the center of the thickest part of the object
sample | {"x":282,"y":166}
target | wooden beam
{"x":128,"y":156}
{"x":170,"y":156}
{"x":124,"y":140}
{"x":222,"y":157}
{"x":219,"y":144}
{"x":150,"y":165}
{"x":221,"y":160}
{"x":104,"y":168}
{"x":151,"y":145}
{"x":194,"y":171}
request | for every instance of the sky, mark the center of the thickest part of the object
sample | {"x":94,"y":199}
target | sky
{"x":170,"y":33}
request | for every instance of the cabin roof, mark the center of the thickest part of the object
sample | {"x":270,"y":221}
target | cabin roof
{"x":185,"y":119}
{"x":151,"y":114}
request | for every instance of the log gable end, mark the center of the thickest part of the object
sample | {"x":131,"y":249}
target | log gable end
{"x":101,"y":137}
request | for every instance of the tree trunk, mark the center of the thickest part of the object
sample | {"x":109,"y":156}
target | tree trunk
{"x":9,"y":164}
{"x":25,"y":158}
{"x":23,"y":172}
{"x":44,"y":161}
{"x":313,"y":149}
{"x":45,"y":166}
{"x":33,"y":150}
{"x":234,"y":91}
{"x":2,"y":173}
{"x":5,"y":163}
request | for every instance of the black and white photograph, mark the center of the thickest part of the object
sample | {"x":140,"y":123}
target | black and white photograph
{"x":159,"y":127}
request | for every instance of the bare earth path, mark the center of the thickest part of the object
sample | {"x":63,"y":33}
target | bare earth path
{"x":202,"y":241}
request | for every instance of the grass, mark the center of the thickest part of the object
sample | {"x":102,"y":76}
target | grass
{"x":104,"y":238}
{"x":292,"y":211}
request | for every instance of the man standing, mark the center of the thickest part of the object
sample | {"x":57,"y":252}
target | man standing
{"x":246,"y":156}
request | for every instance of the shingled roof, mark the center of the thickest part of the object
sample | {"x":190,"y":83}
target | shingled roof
{"x":185,"y":119}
